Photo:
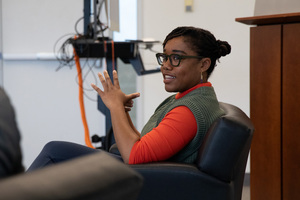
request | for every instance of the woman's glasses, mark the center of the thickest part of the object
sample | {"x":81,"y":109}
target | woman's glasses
{"x":174,"y":58}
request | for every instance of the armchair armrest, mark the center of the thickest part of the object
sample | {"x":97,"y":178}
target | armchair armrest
{"x":170,"y":180}
{"x":97,"y":175}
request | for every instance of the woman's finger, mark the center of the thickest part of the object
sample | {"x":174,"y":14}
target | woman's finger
{"x":98,"y":90}
{"x":127,"y":109}
{"x":129,"y":104}
{"x":107,"y":78}
{"x":116,"y":79}
{"x":133,"y":95}
{"x":102,"y":80}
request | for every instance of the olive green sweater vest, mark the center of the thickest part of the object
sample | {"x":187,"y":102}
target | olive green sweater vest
{"x":204,"y":105}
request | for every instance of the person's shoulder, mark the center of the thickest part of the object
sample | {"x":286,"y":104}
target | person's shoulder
{"x":166,"y":100}
{"x":10,"y":151}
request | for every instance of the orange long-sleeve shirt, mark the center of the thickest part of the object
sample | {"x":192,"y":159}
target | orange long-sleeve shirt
{"x":174,"y":132}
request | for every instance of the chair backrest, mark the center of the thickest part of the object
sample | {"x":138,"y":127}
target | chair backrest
{"x":226,"y":146}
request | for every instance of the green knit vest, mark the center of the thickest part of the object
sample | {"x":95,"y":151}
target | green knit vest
{"x":204,"y":105}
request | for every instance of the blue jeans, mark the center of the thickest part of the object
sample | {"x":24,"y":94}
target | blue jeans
{"x":59,"y":151}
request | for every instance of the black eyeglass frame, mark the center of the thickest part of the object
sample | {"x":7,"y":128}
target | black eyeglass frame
{"x":158,"y":55}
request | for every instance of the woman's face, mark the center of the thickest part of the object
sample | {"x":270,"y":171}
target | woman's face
{"x":187,"y":74}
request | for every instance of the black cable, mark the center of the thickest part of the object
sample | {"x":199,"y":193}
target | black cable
{"x":76,"y":24}
{"x":65,"y":55}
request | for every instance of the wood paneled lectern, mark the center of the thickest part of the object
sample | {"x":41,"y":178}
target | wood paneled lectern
{"x":275,"y":106}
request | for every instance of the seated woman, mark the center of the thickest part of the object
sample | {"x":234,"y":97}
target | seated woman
{"x":178,"y":125}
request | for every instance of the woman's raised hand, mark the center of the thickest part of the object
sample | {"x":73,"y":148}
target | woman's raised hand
{"x":112,"y":95}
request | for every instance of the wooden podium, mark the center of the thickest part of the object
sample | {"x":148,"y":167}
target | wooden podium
{"x":275,"y":106}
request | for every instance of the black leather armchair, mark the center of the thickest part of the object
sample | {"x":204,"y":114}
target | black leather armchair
{"x":218,"y":172}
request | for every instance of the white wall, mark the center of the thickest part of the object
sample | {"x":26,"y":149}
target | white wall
{"x":271,"y":7}
{"x":1,"y":67}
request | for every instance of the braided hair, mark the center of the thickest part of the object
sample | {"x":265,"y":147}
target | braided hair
{"x":202,"y":42}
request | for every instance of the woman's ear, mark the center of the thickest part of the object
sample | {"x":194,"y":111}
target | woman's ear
{"x":206,"y":62}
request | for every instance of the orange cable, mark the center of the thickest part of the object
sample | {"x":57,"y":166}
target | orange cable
{"x":81,"y":102}
{"x":113,"y":54}
{"x":105,"y":51}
